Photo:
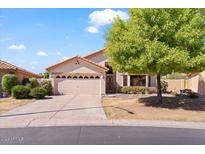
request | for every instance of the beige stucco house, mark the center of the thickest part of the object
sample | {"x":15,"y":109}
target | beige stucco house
{"x":7,"y":68}
{"x":92,"y":75}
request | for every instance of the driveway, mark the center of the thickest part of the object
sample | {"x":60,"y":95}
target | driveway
{"x":58,"y":110}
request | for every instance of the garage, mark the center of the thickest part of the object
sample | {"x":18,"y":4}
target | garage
{"x":76,"y":86}
{"x":78,"y":76}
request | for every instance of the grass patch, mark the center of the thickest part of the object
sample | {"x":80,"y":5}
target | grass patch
{"x":172,"y":108}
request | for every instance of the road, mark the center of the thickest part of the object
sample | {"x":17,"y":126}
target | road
{"x":107,"y":135}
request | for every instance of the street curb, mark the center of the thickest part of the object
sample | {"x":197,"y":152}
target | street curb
{"x":131,"y":123}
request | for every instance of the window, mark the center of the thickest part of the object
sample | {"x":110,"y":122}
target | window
{"x":69,"y":77}
{"x":85,"y":77}
{"x":91,"y":77}
{"x":58,"y":76}
{"x":80,"y":77}
{"x":63,"y":76}
{"x":124,"y":80}
{"x":97,"y":77}
{"x":75,"y":77}
{"x":138,"y":80}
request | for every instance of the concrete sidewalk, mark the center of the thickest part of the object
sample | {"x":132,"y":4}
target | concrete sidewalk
{"x":138,"y":123}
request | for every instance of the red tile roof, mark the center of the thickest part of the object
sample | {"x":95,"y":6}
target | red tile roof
{"x":7,"y":66}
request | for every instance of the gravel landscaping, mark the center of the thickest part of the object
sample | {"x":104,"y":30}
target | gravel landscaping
{"x":145,"y":107}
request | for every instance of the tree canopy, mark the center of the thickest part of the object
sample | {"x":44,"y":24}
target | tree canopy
{"x":158,"y":41}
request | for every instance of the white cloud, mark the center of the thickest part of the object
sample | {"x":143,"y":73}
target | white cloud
{"x":92,"y":29}
{"x":104,"y":17}
{"x":41,"y":53}
{"x":64,"y":58}
{"x":17,"y":47}
{"x":101,"y":18}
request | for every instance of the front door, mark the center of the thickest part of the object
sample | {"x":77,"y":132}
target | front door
{"x":110,"y":83}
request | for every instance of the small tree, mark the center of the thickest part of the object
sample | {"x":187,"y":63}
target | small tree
{"x":46,"y":75}
{"x":8,"y":82}
{"x":33,"y":82}
{"x":48,"y":87}
{"x":158,"y":42}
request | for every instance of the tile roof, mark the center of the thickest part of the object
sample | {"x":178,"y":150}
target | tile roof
{"x":94,"y":53}
{"x":7,"y":66}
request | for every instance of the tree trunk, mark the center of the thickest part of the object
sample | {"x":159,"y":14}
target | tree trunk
{"x":159,"y":90}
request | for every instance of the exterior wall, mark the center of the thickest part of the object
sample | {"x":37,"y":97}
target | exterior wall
{"x":103,"y":84}
{"x":196,"y":84}
{"x":153,"y":81}
{"x":175,"y":85}
{"x":193,"y":83}
{"x":71,"y":67}
{"x":119,"y":79}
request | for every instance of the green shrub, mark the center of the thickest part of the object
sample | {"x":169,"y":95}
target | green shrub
{"x":48,"y":87}
{"x":20,"y":92}
{"x":29,"y":85}
{"x":46,"y":75}
{"x":38,"y":92}
{"x":8,"y":82}
{"x":34,"y":82}
{"x":133,"y":89}
{"x":164,"y":86}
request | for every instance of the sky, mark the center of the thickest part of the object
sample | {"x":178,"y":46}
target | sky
{"x":37,"y":38}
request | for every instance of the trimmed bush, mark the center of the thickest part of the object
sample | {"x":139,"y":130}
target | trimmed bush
{"x":38,"y":92}
{"x":133,"y":90}
{"x":20,"y":92}
{"x":8,"y":82}
{"x":48,"y":87}
{"x":34,"y":82}
{"x":151,"y":90}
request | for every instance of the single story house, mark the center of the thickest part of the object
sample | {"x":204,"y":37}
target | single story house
{"x":92,"y":75}
{"x":7,"y":68}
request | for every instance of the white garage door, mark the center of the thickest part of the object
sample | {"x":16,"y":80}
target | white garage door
{"x":79,"y":86}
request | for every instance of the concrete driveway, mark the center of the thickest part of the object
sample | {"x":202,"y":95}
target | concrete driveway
{"x":59,"y":110}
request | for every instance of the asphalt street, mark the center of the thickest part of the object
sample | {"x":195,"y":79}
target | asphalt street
{"x":97,"y":135}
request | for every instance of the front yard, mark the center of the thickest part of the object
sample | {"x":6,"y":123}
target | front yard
{"x":7,"y":104}
{"x":173,"y":108}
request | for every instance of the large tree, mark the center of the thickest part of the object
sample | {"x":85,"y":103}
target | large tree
{"x":158,"y":42}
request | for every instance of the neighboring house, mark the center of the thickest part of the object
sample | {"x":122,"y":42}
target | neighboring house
{"x":92,"y":75}
{"x":7,"y":68}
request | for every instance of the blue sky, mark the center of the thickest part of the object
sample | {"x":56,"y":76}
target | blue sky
{"x":36,"y":38}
